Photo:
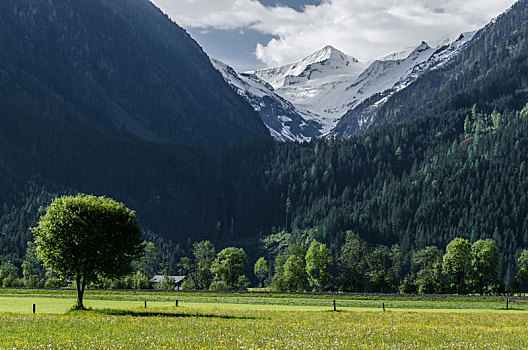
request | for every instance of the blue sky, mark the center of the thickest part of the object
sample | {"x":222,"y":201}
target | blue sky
{"x":235,"y":47}
{"x":250,"y":34}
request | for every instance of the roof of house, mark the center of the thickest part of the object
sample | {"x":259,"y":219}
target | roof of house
{"x":159,"y":278}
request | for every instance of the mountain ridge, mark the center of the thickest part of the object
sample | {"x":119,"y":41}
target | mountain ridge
{"x":283,"y":120}
{"x":106,"y":62}
{"x":339,"y":94}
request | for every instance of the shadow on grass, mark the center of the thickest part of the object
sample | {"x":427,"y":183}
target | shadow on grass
{"x":511,"y":309}
{"x":159,"y":313}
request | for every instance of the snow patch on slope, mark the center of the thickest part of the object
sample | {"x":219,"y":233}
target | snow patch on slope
{"x":283,"y":120}
{"x":385,"y":77}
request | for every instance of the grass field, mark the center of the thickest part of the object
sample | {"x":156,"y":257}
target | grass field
{"x":119,"y":321}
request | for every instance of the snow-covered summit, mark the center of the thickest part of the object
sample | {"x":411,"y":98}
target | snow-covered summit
{"x":325,"y":62}
{"x":385,"y":77}
{"x":316,"y":83}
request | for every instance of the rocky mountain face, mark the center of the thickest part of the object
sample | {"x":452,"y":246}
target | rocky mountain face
{"x":284,"y":121}
{"x":334,"y":92}
{"x":383,"y":78}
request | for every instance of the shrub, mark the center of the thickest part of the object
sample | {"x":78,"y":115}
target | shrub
{"x":219,"y":286}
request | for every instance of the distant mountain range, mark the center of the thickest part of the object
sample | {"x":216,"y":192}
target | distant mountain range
{"x":333,"y":92}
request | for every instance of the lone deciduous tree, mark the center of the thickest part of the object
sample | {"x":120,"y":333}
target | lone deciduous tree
{"x":84,"y":238}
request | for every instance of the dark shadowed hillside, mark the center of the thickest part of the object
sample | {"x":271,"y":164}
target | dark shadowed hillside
{"x":120,"y":65}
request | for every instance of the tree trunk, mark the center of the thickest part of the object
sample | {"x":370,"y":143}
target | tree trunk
{"x":80,"y":293}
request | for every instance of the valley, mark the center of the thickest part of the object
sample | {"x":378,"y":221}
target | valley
{"x":403,"y":175}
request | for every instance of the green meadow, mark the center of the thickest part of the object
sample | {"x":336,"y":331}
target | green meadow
{"x":119,"y":320}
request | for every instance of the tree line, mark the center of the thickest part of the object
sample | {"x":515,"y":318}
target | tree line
{"x":462,"y":268}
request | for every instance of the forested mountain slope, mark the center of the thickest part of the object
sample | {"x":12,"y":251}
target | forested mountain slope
{"x":119,"y":65}
{"x":491,"y":72}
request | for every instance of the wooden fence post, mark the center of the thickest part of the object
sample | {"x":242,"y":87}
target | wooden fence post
{"x":335,"y":306}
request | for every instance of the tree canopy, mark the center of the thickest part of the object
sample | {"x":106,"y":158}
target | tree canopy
{"x":318,"y":262}
{"x":457,"y":263}
{"x":85,"y":238}
{"x":229,"y":266}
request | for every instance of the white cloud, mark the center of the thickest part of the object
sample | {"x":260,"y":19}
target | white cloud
{"x":361,"y":28}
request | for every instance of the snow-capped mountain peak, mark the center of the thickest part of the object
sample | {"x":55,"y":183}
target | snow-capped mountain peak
{"x":385,"y":77}
{"x":324,"y":62}
{"x":316,"y":83}
{"x":329,"y":53}
{"x":317,"y":91}
{"x":422,"y":47}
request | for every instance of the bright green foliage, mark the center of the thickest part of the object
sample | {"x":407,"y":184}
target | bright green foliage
{"x":204,"y":255}
{"x":53,"y":282}
{"x":188,"y":284}
{"x":261,"y":270}
{"x":522,"y":271}
{"x":243,"y":283}
{"x":318,"y":262}
{"x":186,"y":267}
{"x":427,"y":265}
{"x":229,"y":266}
{"x":457,"y":264}
{"x":167,"y":283}
{"x":353,"y":263}
{"x":282,"y":283}
{"x":141,"y":281}
{"x":485,"y":266}
{"x":294,"y":277}
{"x":85,"y":238}
{"x":32,"y":270}
{"x":27,"y":270}
{"x":219,"y":286}
{"x":9,"y":275}
{"x":383,"y":268}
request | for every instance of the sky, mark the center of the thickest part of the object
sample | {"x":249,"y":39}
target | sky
{"x":253,"y":34}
